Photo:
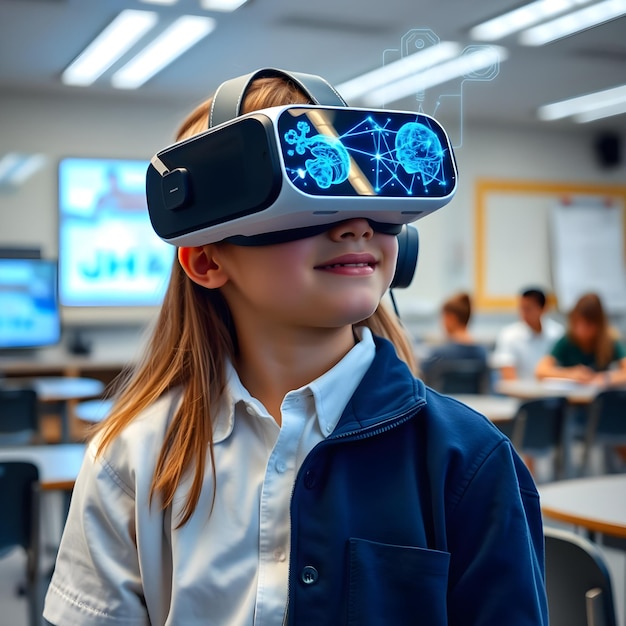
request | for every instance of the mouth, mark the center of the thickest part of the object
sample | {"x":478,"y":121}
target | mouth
{"x":350,"y":263}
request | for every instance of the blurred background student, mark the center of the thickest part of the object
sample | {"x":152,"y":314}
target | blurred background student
{"x":589,"y":351}
{"x":459,"y":364}
{"x":521,"y":345}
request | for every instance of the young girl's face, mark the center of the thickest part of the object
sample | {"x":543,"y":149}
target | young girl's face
{"x":331,"y":280}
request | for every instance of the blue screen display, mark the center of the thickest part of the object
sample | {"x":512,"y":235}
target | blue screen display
{"x":29,"y":312}
{"x":109,"y":254}
{"x":349,"y":152}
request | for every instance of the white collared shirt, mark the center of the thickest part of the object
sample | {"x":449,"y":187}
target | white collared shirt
{"x":229,"y":565}
{"x":521,"y":347}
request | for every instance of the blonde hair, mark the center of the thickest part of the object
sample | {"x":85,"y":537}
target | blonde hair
{"x":192,"y":338}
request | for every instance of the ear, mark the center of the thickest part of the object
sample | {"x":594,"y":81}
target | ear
{"x":201,"y":265}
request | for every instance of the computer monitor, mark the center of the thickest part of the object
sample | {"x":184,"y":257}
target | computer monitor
{"x":29,"y":310}
{"x":109,"y":254}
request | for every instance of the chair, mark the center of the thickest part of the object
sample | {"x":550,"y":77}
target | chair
{"x":19,"y":416}
{"x":578,"y":583}
{"x":457,"y":376}
{"x":606,"y":424}
{"x":19,"y":524}
{"x":537,"y":429}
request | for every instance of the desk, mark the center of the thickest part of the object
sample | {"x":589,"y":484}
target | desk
{"x":531,"y":389}
{"x":58,"y":391}
{"x":597,"y":503}
{"x":58,"y":463}
{"x":494,"y":408}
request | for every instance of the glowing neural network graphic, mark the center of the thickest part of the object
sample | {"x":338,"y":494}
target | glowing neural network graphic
{"x":396,"y":162}
{"x":331,"y":164}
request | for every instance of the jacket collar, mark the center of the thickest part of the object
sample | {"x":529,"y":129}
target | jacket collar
{"x":387,"y":390}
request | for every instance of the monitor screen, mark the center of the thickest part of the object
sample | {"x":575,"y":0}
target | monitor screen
{"x":29,"y":312}
{"x":109,"y":255}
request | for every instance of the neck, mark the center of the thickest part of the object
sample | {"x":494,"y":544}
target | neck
{"x":272,"y":362}
{"x":535,"y":326}
{"x":460,"y":335}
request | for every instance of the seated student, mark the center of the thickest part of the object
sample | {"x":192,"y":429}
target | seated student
{"x":588,"y":352}
{"x":521,"y":345}
{"x":443,"y":363}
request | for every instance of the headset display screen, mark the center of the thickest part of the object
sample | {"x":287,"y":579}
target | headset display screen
{"x":350,"y":152}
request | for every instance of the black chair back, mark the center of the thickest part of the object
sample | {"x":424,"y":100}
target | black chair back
{"x":607,"y":421}
{"x":458,"y":376}
{"x":19,"y":524}
{"x":578,"y":582}
{"x":19,"y":416}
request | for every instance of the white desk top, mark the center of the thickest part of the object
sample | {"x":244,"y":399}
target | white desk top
{"x":530,"y":389}
{"x":59,"y":388}
{"x":494,"y":408}
{"x":597,"y":503}
{"x":58,"y":463}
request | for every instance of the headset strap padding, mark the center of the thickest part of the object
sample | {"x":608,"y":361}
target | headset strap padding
{"x":227,"y":100}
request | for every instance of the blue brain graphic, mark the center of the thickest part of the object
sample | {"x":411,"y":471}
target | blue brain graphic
{"x":418,"y":149}
{"x":331,"y":164}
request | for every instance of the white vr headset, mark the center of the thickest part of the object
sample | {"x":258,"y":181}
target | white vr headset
{"x":288,"y":172}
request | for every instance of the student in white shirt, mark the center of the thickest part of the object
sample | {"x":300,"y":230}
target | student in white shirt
{"x":521,"y":345}
{"x":273,"y":460}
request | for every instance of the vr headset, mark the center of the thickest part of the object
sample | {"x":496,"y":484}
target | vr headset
{"x":289,"y":172}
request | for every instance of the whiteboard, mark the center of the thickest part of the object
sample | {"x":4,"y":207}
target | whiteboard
{"x":587,"y":252}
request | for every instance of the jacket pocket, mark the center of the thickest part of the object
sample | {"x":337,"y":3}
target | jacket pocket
{"x":396,"y":585}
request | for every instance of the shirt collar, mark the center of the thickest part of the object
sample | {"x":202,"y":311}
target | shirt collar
{"x":331,"y":391}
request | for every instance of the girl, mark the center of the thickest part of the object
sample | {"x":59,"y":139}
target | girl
{"x":273,"y":460}
{"x":588,"y":353}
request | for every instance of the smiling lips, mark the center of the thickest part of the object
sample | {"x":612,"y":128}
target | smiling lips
{"x":350,"y":265}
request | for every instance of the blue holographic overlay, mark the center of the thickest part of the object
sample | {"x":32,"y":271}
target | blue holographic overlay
{"x":348,"y":152}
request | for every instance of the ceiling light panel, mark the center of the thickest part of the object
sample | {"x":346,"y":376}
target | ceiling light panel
{"x":464,"y":65}
{"x":521,"y":18}
{"x":221,"y":5}
{"x":573,"y":23}
{"x":583,"y":105}
{"x":406,"y":66}
{"x":183,"y":33}
{"x":114,"y":41}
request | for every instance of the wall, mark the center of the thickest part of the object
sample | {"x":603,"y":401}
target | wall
{"x":80,"y":126}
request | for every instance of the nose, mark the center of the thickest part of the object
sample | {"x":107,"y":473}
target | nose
{"x":356,"y":228}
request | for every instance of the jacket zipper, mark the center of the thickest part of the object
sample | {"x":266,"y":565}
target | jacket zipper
{"x":355,"y":435}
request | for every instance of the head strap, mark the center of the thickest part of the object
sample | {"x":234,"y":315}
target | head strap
{"x":229,"y":96}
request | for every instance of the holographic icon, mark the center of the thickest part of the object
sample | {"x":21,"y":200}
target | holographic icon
{"x":331,"y":164}
{"x":418,"y":149}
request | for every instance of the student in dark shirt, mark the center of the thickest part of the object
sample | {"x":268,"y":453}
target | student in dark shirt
{"x":588,"y":352}
{"x":460,"y":364}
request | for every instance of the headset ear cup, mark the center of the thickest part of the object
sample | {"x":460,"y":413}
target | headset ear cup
{"x":408,"y":249}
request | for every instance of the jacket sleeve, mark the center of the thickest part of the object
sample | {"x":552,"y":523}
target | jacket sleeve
{"x":97,"y":579}
{"x":495,"y":537}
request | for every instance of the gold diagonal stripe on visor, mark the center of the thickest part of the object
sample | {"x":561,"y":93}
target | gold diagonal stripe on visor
{"x":321,"y":120}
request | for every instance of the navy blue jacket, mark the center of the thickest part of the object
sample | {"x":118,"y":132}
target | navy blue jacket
{"x":416,"y":510}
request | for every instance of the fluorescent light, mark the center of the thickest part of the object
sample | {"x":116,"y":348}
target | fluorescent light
{"x":463,"y":65}
{"x":573,"y":23}
{"x":396,"y":70}
{"x":583,"y":104}
{"x":15,"y":168}
{"x":163,"y":2}
{"x":521,"y":18}
{"x":609,"y":111}
{"x":116,"y":39}
{"x":169,"y":45}
{"x":221,"y":5}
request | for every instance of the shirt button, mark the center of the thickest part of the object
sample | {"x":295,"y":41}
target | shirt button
{"x":309,"y":575}
{"x":280,"y":466}
{"x":329,"y":429}
{"x":250,"y":410}
{"x":279,"y":555}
